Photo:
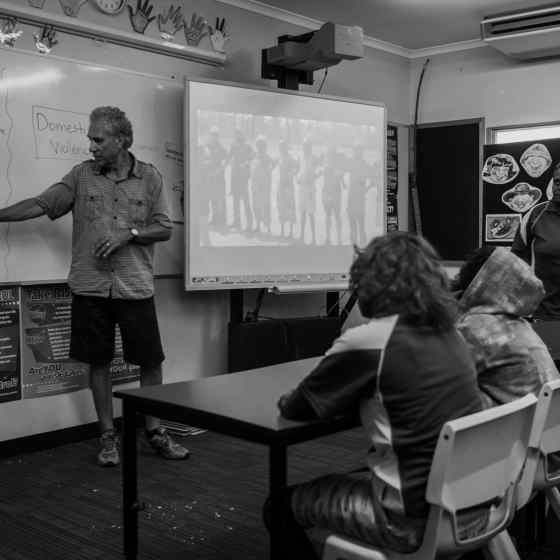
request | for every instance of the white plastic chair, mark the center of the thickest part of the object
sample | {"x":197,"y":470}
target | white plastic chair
{"x":540,"y":472}
{"x":477,"y":463}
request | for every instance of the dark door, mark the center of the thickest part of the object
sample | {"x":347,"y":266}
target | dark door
{"x":448,"y":157}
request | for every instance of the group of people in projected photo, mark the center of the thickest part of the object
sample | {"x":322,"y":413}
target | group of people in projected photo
{"x":260,"y":181}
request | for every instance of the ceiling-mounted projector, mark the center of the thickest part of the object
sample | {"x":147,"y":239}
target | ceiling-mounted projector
{"x":294,"y":59}
{"x":325,"y":47}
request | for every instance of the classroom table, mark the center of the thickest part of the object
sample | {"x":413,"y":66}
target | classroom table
{"x":241,"y":405}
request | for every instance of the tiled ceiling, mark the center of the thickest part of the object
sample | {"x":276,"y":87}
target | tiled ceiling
{"x":413,"y":24}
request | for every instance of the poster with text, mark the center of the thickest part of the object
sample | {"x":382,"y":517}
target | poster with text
{"x":10,"y":388}
{"x":47,"y":368}
{"x":392,"y":178}
{"x":121,"y":371}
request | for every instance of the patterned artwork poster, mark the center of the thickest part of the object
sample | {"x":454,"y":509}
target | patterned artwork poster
{"x":47,"y":368}
{"x":392,"y":178}
{"x":515,"y":177}
{"x":10,"y":388}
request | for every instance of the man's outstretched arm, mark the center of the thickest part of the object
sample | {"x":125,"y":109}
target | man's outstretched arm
{"x":24,"y":210}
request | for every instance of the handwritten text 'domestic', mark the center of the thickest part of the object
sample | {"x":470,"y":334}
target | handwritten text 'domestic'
{"x":60,"y":134}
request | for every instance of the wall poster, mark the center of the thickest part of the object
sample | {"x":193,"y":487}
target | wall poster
{"x":515,"y":177}
{"x":10,"y":387}
{"x":47,"y":368}
{"x":392,"y":178}
{"x":121,"y":371}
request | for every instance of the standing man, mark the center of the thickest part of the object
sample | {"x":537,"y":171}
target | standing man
{"x":358,"y":186}
{"x":310,"y":170}
{"x":288,"y":168}
{"x":119,"y":212}
{"x":333,"y":182}
{"x":217,"y":157}
{"x":241,"y":155}
{"x":537,"y":242}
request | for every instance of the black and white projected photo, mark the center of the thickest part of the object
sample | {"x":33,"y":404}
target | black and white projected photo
{"x":280,"y":184}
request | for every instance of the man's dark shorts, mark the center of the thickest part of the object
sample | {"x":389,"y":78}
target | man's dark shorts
{"x":93,"y":330}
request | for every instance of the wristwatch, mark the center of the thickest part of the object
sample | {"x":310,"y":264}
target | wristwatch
{"x":134,"y":232}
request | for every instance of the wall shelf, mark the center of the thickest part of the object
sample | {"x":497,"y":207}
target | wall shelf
{"x":90,"y":30}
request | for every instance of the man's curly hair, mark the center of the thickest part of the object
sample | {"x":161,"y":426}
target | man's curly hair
{"x":400,"y":273}
{"x":117,"y":120}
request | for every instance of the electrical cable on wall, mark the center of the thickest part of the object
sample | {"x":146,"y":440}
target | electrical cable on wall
{"x":336,"y":304}
{"x":253,"y":316}
{"x":323,"y":80}
{"x":350,"y":302}
{"x":413,"y":187}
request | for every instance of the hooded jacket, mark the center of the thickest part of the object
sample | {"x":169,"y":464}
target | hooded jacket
{"x":510,"y":357}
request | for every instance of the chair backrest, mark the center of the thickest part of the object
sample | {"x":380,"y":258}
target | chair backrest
{"x":475,"y":470}
{"x":544,"y":441}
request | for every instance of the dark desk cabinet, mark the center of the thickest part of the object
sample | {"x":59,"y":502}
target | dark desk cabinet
{"x":273,"y":341}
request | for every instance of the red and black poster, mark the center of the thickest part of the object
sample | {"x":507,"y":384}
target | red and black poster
{"x":392,"y":178}
{"x":10,"y":387}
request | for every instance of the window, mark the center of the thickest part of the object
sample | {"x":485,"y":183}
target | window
{"x":527,"y":133}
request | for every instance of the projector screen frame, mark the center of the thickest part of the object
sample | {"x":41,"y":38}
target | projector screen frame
{"x":292,"y":282}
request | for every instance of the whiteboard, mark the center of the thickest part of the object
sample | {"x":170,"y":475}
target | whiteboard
{"x":45,"y":102}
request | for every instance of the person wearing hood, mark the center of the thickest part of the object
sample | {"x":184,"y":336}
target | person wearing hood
{"x":498,"y":291}
{"x":537,"y":242}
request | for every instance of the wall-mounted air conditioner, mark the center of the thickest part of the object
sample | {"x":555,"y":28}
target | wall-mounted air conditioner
{"x":524,"y":35}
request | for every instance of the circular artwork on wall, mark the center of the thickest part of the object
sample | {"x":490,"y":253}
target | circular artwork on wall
{"x":500,"y":169}
{"x":521,"y":197}
{"x":536,"y":159}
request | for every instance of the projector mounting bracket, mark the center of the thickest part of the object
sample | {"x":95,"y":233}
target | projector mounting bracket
{"x":288,"y":78}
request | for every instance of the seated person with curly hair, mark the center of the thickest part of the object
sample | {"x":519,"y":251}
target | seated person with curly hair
{"x":407,"y":371}
{"x":498,"y":290}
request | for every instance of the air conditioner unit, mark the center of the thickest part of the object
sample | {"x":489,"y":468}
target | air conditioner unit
{"x":524,"y":35}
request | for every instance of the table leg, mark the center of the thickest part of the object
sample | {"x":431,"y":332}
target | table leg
{"x":130,"y":482}
{"x":277,"y":482}
{"x":540,"y":506}
{"x":530,"y":524}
